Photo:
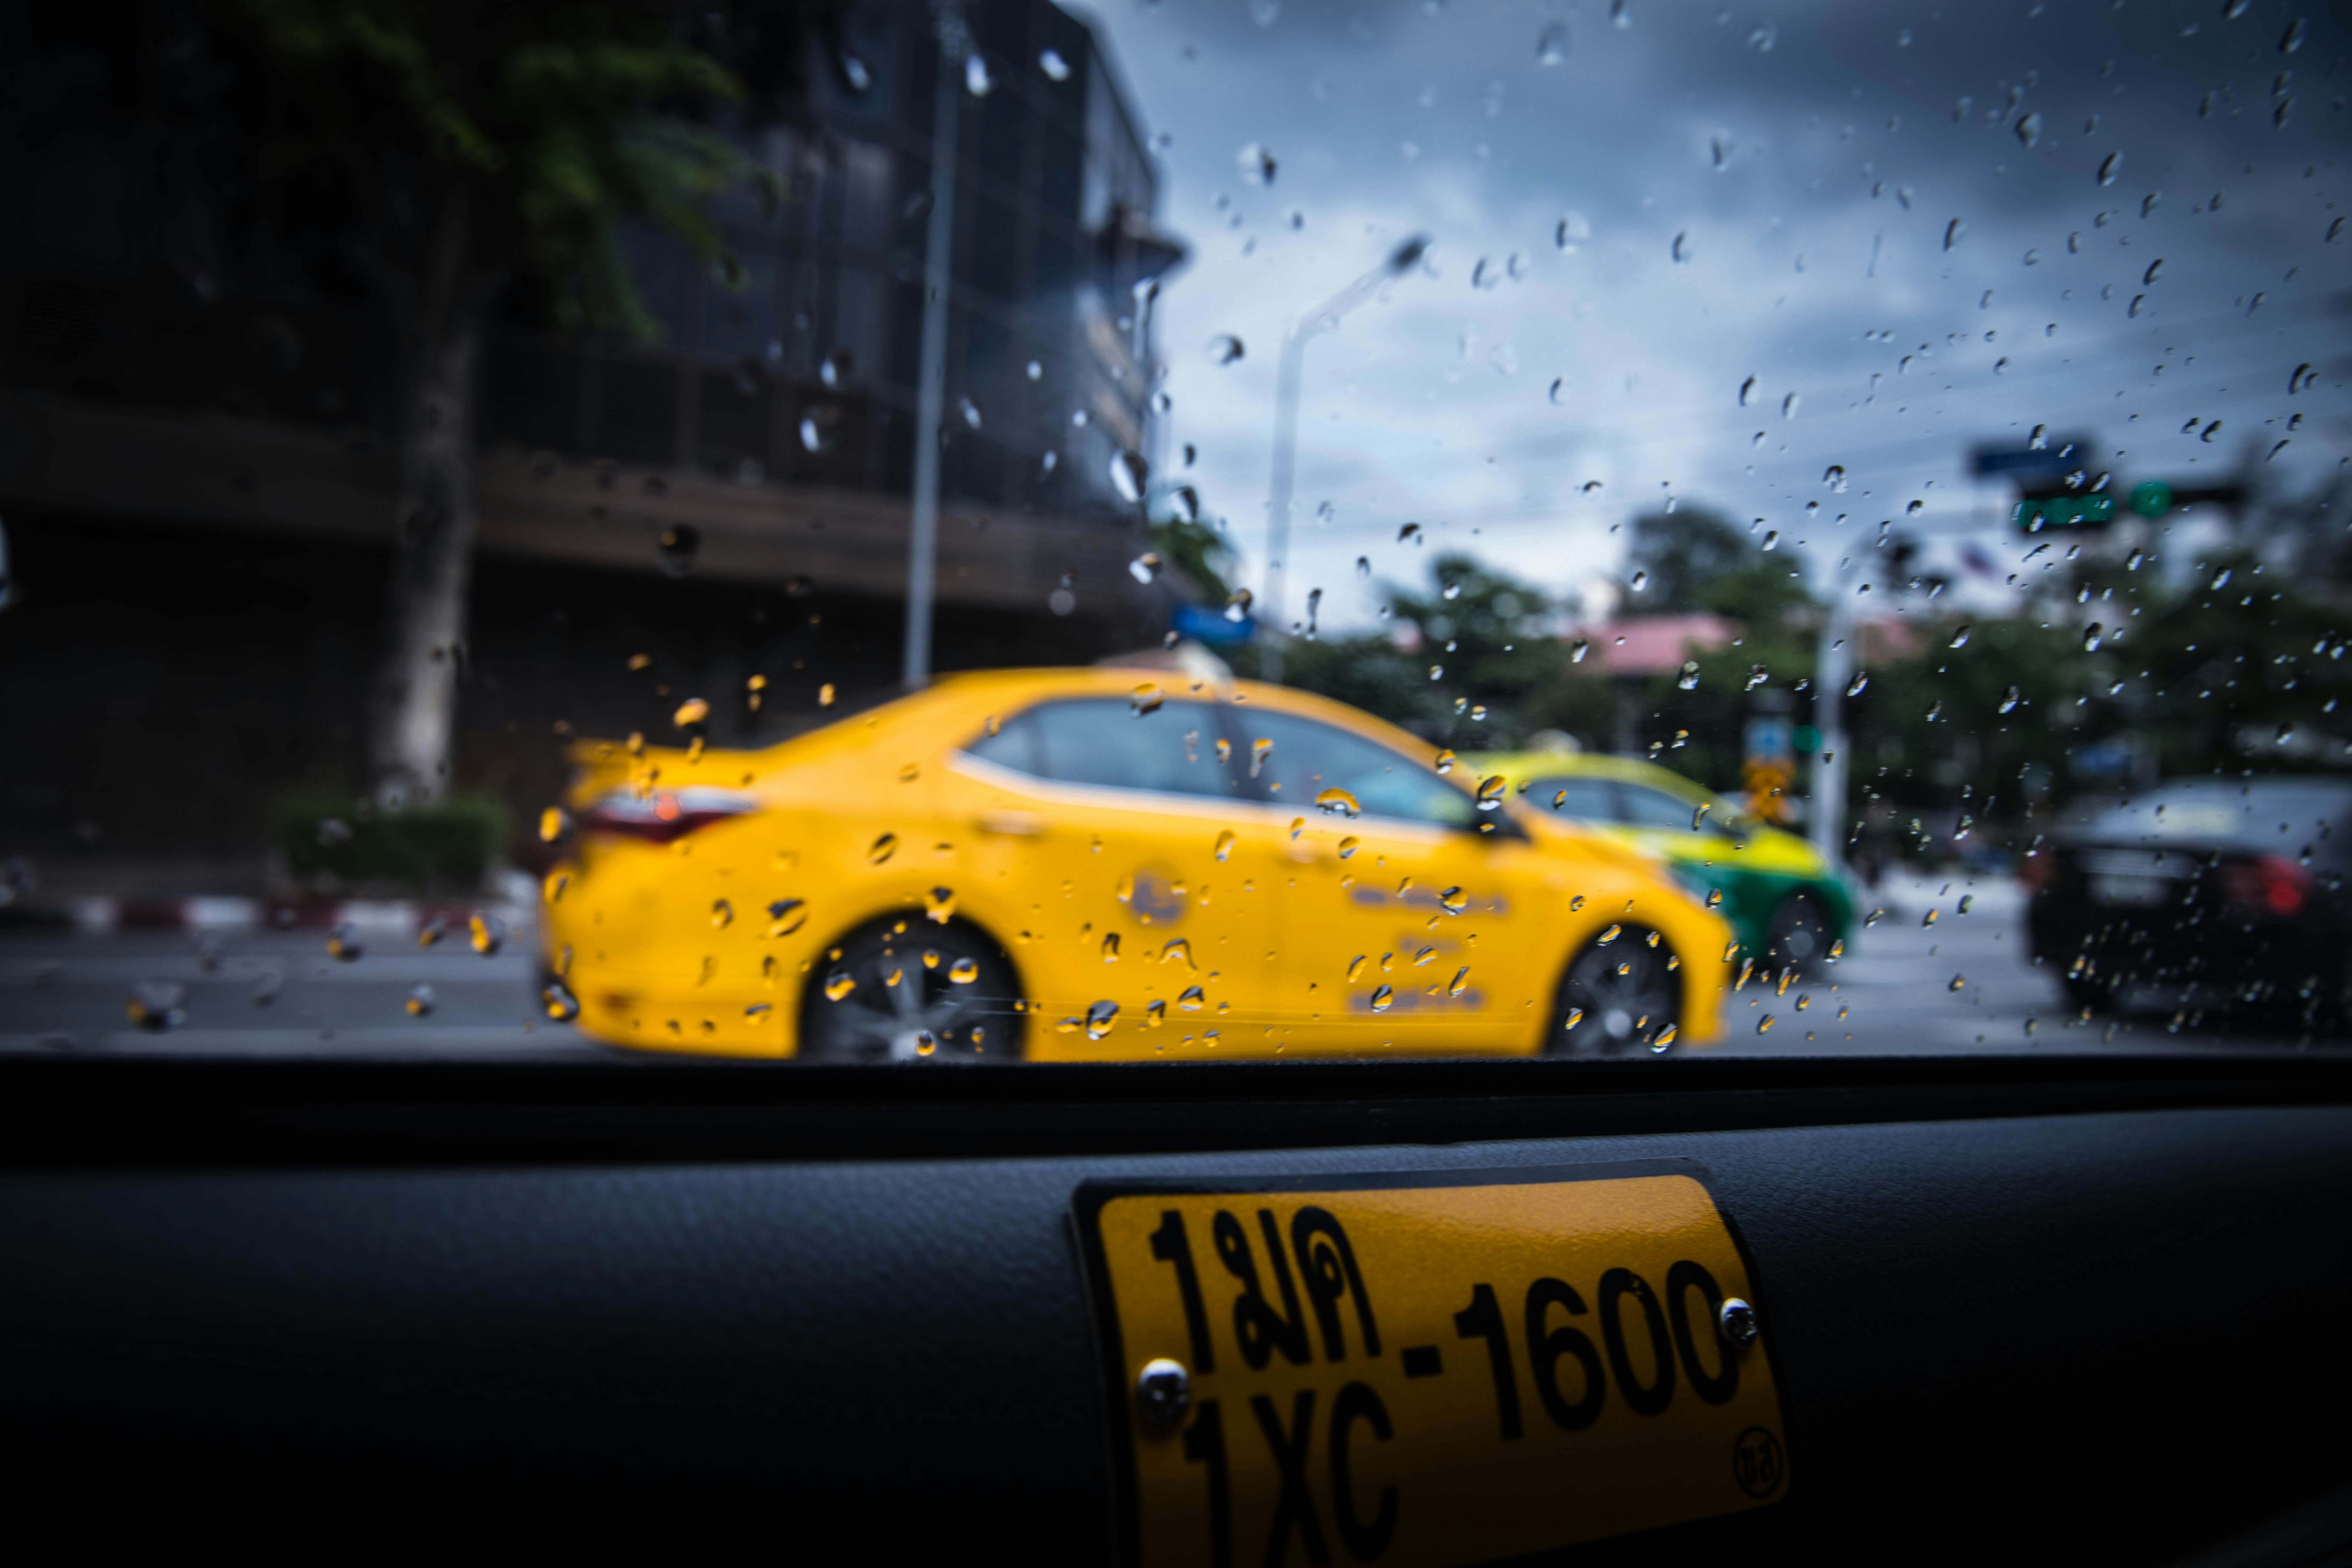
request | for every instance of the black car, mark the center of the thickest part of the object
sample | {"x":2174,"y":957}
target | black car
{"x":2204,"y":893}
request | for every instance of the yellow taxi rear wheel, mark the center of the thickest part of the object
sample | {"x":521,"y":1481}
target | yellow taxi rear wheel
{"x":1617,"y":996}
{"x":906,"y":989}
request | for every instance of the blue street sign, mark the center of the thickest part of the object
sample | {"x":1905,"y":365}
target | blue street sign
{"x":2056,"y":454}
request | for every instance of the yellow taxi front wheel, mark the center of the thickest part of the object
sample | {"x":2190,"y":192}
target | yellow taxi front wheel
{"x":910,"y":990}
{"x":1620,"y":995}
{"x":1799,"y":937}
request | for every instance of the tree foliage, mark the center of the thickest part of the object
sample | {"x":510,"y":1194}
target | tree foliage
{"x":547,"y":123}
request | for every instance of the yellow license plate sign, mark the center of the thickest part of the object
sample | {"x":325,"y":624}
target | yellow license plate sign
{"x":1432,"y":1368}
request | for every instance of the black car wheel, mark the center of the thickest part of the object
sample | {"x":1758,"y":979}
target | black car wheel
{"x":910,"y":990}
{"x":1798,"y":937}
{"x":1618,"y":994}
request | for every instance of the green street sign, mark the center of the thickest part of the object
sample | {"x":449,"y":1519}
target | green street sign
{"x":2067,"y":512}
{"x":2152,"y":500}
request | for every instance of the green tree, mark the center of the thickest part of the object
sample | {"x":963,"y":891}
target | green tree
{"x":456,"y":150}
{"x":1691,"y":559}
{"x":1485,"y":669}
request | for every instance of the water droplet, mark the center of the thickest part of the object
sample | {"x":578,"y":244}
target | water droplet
{"x":1100,"y":1017}
{"x":838,"y":984}
{"x":1834,"y":476}
{"x":1146,"y":699}
{"x":1619,"y":17}
{"x":485,"y":932}
{"x":2029,"y":130}
{"x":1225,"y":845}
{"x":1337,"y":802}
{"x":1144,"y":567}
{"x":1256,"y":164}
{"x":1764,"y":1025}
{"x":156,"y":1005}
{"x":1451,"y":900}
{"x":2091,"y":638}
{"x":1129,"y":472}
{"x":833,"y":369}
{"x":2009,"y":703}
{"x":1551,"y":44}
{"x":1747,"y":390}
{"x":1490,"y":792}
{"x":2292,"y":39}
{"x":419,"y":1001}
{"x":1383,"y":997}
{"x":964,"y":971}
{"x":1664,"y":1041}
{"x":1641,"y":580}
{"x":976,"y":80}
{"x":680,"y":542}
{"x":1688,"y":679}
{"x":1411,"y":531}
{"x":1056,"y":67}
{"x":556,"y":999}
{"x":2109,"y":168}
{"x":1859,"y":683}
{"x":882,"y":849}
{"x":1680,"y":250}
{"x":1789,"y":405}
{"x":1952,"y":232}
{"x":1571,"y":231}
{"x":966,"y":411}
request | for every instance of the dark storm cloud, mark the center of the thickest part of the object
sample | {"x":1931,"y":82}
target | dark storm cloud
{"x":1808,"y":167}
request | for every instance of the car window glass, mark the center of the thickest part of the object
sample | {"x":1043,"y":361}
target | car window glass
{"x":1307,"y":757}
{"x":2261,"y":816}
{"x":1647,"y":807}
{"x":1581,"y":799}
{"x":1011,"y":743}
{"x":1103,"y":741}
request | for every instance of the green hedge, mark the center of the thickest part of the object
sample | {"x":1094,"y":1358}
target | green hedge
{"x":448,"y":847}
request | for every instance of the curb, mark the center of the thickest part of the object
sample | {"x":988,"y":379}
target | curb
{"x":104,"y":916}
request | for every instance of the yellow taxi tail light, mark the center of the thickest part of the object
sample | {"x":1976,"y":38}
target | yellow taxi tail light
{"x":661,"y":816}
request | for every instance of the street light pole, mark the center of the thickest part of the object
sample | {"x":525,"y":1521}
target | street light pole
{"x":1832,"y":669}
{"x":1286,"y":429}
{"x":931,"y":393}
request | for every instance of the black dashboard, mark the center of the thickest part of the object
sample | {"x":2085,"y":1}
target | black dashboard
{"x":2061,"y":1307}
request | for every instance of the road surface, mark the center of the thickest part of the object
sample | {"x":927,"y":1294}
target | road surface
{"x":1907,"y":985}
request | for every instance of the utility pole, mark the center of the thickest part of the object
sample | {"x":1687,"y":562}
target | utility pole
{"x":1322,"y":319}
{"x":930,"y":394}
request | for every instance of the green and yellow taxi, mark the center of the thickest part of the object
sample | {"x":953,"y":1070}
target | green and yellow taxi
{"x":1787,"y":903}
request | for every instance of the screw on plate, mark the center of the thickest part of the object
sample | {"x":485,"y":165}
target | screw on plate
{"x":1163,"y":1392}
{"x":1736,"y":1319}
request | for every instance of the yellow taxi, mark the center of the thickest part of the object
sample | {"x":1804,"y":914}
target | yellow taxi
{"x":1090,"y":865}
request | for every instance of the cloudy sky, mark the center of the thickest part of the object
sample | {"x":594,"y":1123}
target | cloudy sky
{"x":1914,"y":227}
